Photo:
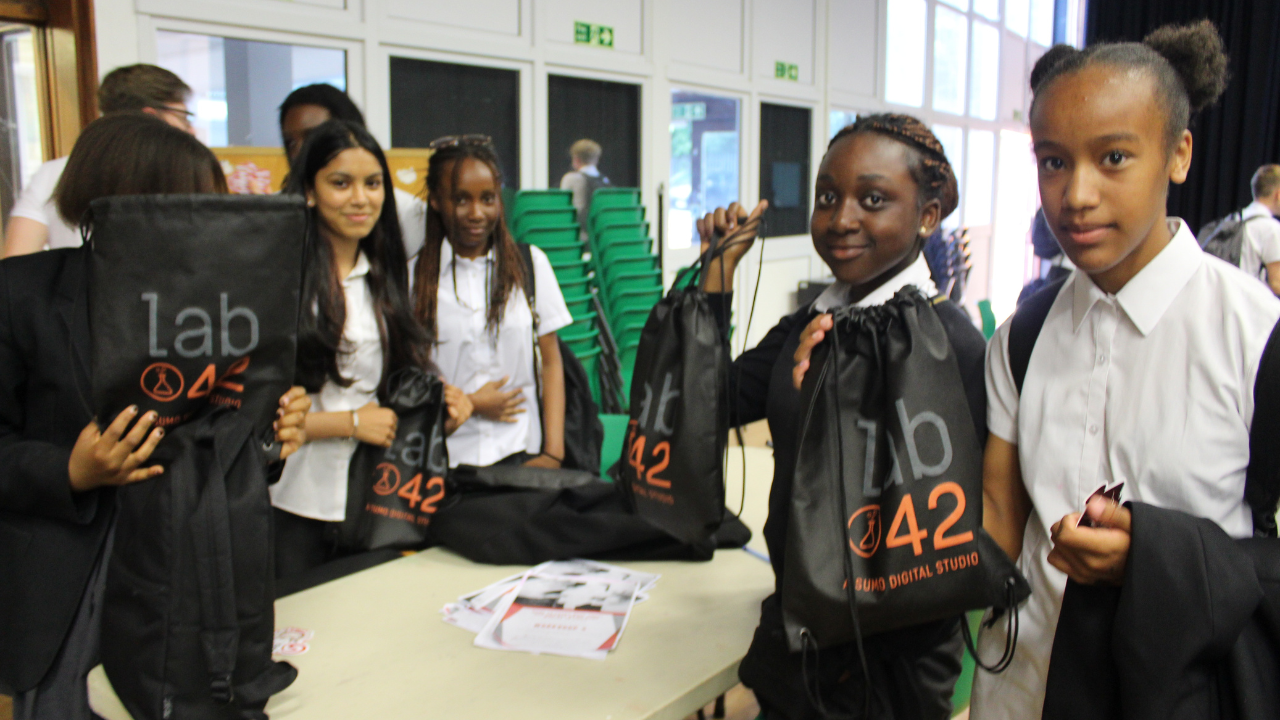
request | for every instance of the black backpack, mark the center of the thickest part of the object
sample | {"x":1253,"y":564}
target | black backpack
{"x":189,"y":610}
{"x":1224,"y":238}
{"x":583,"y":431}
{"x":1262,"y":479}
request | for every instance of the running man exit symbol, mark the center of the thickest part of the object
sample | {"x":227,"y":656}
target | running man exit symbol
{"x":786,"y":71}
{"x":588,"y":34}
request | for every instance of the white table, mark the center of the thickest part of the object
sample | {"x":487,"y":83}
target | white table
{"x":381,"y":650}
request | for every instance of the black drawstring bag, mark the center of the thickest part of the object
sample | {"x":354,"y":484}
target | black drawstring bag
{"x":886,"y":514}
{"x":392,"y":493}
{"x":672,"y":458}
{"x":193,"y":301}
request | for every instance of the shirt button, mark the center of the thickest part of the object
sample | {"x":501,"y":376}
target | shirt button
{"x":1093,"y":429}
{"x":1102,"y":359}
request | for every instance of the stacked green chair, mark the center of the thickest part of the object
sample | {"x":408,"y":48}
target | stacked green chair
{"x":627,"y":273}
{"x":547,"y":220}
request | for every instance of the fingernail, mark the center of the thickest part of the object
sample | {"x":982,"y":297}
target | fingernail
{"x":133,"y":408}
{"x":160,"y":432}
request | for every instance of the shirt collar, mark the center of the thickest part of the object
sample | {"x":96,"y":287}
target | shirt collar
{"x":589,"y":170}
{"x":1255,"y":209}
{"x":360,"y":269}
{"x":1147,"y":295}
{"x":917,"y":273}
{"x":447,"y":257}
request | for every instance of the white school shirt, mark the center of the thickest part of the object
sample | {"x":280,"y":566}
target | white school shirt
{"x":1152,"y":386}
{"x":314,"y":481}
{"x":469,"y":356}
{"x":1261,"y":244}
{"x":36,"y":203}
{"x":917,"y":273}
{"x":411,"y":210}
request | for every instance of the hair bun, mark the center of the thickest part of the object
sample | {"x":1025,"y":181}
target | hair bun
{"x":1048,"y":61}
{"x":1195,"y":52}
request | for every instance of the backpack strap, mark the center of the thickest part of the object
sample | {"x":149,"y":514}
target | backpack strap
{"x":530,"y":284}
{"x":215,"y":576}
{"x":1024,"y":328}
{"x":1262,"y":479}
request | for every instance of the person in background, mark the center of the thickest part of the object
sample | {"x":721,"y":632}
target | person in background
{"x":584,"y":179}
{"x":310,"y":106}
{"x":34,"y":223}
{"x":1054,"y":265}
{"x":356,"y":330}
{"x":1260,"y":251}
{"x":469,"y":291}
{"x":58,"y":468}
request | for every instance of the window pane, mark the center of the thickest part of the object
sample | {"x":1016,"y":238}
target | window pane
{"x":980,"y":178}
{"x":959,"y":4}
{"x":237,"y":85}
{"x":984,"y":93}
{"x":950,"y":56}
{"x":989,"y":9}
{"x":904,"y":64}
{"x":705,"y":161}
{"x":21,"y":151}
{"x":1017,"y":15}
{"x":952,"y":139}
{"x":1042,"y":13}
{"x":1015,"y":209}
{"x":837,"y":119}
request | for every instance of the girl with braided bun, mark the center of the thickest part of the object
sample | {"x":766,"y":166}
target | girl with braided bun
{"x":469,"y":290}
{"x":1144,"y":368}
{"x":884,"y":186}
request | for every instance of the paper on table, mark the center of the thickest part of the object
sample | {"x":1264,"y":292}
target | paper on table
{"x":577,"y":616}
{"x":473,"y":610}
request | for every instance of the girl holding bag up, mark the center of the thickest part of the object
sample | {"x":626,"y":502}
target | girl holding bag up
{"x":883,"y":187}
{"x":356,"y":330}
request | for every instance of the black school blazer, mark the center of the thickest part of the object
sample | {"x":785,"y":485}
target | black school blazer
{"x":50,"y":538}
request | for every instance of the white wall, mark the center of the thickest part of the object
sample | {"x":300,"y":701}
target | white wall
{"x":725,"y":47}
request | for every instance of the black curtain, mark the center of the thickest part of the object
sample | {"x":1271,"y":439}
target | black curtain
{"x":431,"y":99}
{"x":607,"y":112}
{"x":1240,"y":132}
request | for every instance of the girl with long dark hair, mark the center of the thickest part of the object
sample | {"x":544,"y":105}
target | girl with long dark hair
{"x":470,"y":285}
{"x":356,"y":329}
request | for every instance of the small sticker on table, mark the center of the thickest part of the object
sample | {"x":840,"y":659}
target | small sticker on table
{"x":291,"y":641}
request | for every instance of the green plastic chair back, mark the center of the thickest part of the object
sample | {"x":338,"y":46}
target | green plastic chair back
{"x":542,"y":200}
{"x":616,"y":216}
{"x":543,"y":218}
{"x":988,"y":318}
{"x":562,"y":253}
{"x":621,"y":231}
{"x":553,"y":235}
{"x":628,"y":265}
{"x":580,"y":286}
{"x":509,"y":204}
{"x":615,"y":432}
{"x":570,"y":271}
{"x":607,"y":197}
{"x":579,"y":305}
{"x":629,"y":248}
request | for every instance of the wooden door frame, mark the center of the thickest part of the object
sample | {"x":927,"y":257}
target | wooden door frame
{"x":68,"y":79}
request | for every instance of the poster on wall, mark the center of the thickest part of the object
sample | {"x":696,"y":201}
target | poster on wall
{"x":262,"y":170}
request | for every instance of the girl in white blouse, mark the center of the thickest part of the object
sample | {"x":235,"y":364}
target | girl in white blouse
{"x":469,"y":291}
{"x":356,"y":329}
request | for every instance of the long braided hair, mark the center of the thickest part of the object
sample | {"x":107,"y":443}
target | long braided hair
{"x":928,"y":163}
{"x":508,"y":273}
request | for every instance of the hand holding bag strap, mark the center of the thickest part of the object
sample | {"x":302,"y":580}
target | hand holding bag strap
{"x":1262,"y":479}
{"x":211,"y":537}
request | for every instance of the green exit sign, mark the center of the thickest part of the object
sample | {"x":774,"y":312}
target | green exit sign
{"x":588,"y":34}
{"x":786,"y":71}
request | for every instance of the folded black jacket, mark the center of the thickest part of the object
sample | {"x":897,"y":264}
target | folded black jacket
{"x":1193,"y":633}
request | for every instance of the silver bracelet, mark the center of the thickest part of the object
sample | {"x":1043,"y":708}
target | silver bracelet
{"x":355,"y":423}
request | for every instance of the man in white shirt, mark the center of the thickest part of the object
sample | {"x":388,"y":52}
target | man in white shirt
{"x":584,"y":179}
{"x":1260,"y":251}
{"x":34,"y":223}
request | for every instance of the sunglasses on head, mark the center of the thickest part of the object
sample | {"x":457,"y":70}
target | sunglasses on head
{"x":455,"y":140}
